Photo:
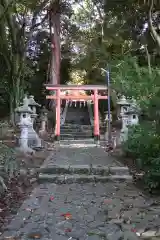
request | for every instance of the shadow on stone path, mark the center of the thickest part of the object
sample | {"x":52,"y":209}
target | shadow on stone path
{"x":93,"y":211}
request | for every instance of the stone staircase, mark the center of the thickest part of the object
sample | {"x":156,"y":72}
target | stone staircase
{"x":69,"y":174}
{"x":75,"y":131}
{"x":79,"y":161}
{"x":79,"y":122}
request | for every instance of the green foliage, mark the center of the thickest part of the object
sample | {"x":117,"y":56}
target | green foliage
{"x":141,"y":139}
{"x":143,"y":142}
{"x":143,"y":145}
{"x":132,"y":80}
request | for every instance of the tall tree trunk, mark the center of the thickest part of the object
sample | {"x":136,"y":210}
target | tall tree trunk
{"x":55,"y":43}
{"x":16,"y":83}
{"x":56,"y":49}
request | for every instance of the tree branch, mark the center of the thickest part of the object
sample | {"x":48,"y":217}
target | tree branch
{"x":36,"y":13}
{"x":10,"y":22}
{"x":6,"y":8}
{"x":34,"y":25}
{"x":38,"y":24}
{"x":99,"y":13}
{"x":154,"y":34}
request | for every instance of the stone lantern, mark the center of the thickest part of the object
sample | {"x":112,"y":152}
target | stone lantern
{"x":33,"y":139}
{"x":43,"y":119}
{"x":32,"y":104}
{"x":123,"y":104}
{"x":133,"y":115}
{"x":24,"y":124}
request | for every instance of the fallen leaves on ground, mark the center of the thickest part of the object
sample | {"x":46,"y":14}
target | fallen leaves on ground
{"x":51,"y":198}
{"x":106,"y":201}
{"x":68,"y":230}
{"x":133,"y":230}
{"x":11,"y":199}
{"x":67,"y":216}
{"x":35,"y":235}
{"x":29,"y":209}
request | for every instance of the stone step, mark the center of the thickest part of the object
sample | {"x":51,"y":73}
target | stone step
{"x":77,"y":133}
{"x":71,"y":129}
{"x":89,"y":141}
{"x":74,"y":137}
{"x":85,"y":169}
{"x":80,"y":129}
{"x":83,"y":178}
{"x":76,"y":126}
{"x":76,"y":129}
{"x":81,"y":135}
{"x":85,"y":127}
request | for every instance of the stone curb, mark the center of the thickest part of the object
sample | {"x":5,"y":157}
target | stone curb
{"x":76,"y":178}
{"x":84,"y":169}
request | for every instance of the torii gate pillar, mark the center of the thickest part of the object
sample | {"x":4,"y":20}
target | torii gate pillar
{"x":58,"y":115}
{"x":96,"y":117}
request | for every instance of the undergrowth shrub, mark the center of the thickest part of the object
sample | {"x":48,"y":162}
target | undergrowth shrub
{"x":4,"y":127}
{"x":9,"y":166}
{"x":143,"y":145}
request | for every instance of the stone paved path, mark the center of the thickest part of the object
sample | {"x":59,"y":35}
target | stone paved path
{"x":80,"y":152}
{"x":86,"y":211}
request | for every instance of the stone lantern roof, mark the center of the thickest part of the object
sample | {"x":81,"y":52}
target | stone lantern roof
{"x":123,"y":101}
{"x":132,"y":110}
{"x":23,"y":109}
{"x":32,"y":102}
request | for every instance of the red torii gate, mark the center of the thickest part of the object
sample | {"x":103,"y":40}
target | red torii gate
{"x":94,"y":97}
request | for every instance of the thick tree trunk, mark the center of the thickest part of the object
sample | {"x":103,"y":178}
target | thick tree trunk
{"x":16,"y":84}
{"x":55,"y":54}
{"x":55,"y":44}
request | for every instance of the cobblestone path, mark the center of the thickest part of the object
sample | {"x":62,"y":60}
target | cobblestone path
{"x":86,"y":211}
